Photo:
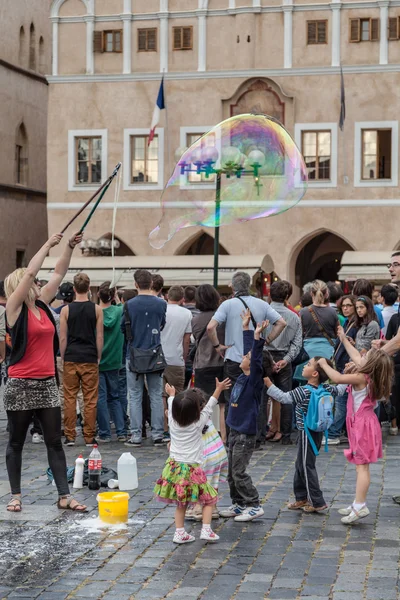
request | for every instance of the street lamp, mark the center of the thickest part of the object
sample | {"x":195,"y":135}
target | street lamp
{"x":232,"y":164}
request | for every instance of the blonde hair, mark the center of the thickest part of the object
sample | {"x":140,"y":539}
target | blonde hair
{"x":380,"y":372}
{"x":319,"y":291}
{"x":13,"y":280}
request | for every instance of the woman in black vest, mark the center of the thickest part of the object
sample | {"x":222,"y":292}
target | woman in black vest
{"x":31,"y":384}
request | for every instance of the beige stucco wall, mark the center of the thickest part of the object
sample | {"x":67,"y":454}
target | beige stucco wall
{"x":359,"y":53}
{"x":145,"y":61}
{"x":313,"y":54}
{"x":109,"y":7}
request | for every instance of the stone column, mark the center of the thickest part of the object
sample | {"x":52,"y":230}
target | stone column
{"x":335,"y":7}
{"x":383,"y":43}
{"x":89,"y":44}
{"x":288,"y":33}
{"x":202,"y":35}
{"x":54,"y":68}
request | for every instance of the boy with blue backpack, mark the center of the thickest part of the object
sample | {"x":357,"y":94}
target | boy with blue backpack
{"x":314,"y":415}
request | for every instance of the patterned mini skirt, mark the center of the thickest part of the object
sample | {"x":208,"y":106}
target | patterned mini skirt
{"x":31,"y":394}
{"x":183,"y":484}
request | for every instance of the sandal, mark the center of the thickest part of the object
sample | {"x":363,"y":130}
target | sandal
{"x":81,"y":508}
{"x":314,"y":509}
{"x":15,"y":504}
{"x":270,"y":435}
{"x":277,"y":437}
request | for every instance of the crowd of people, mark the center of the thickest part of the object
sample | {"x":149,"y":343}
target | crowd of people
{"x":200,"y":373}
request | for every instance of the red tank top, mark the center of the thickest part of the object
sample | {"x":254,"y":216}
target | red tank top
{"x":38,"y":360}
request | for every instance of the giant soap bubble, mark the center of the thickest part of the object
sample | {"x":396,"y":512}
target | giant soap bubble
{"x":257,"y":164}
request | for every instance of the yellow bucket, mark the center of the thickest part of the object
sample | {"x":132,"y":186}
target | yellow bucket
{"x":113,"y":507}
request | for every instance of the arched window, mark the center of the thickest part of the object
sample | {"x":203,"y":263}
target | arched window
{"x":32,"y":48}
{"x":42,"y":60}
{"x":21,"y":156}
{"x":22,"y":48}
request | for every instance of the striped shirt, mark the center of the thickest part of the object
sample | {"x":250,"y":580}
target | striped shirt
{"x":290,"y":340}
{"x":300,"y":397}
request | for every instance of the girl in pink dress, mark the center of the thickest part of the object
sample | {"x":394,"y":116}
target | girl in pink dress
{"x":370,"y":380}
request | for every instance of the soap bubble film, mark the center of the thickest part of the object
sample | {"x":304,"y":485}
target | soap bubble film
{"x":262,"y":174}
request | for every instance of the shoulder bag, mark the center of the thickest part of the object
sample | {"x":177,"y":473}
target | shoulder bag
{"x":320,"y":326}
{"x":149,"y":360}
{"x":193,"y":351}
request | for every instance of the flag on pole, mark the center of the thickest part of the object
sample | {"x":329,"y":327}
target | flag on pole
{"x":160,"y":105}
{"x":342,"y":102}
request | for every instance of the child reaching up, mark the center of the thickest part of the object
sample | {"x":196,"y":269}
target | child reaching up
{"x":369,"y":382}
{"x":306,"y":487}
{"x":183,"y":481}
{"x":243,"y":411}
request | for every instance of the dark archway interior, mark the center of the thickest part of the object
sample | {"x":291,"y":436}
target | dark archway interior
{"x":320,"y":258}
{"x":123,"y":250}
{"x":202,"y":244}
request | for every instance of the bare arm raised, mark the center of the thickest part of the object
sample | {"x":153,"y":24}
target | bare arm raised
{"x":50,"y":289}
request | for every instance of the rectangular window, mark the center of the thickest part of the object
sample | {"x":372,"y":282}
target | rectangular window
{"x":183,"y":38}
{"x":209,"y":141}
{"x":317,"y":32}
{"x":18,"y":164}
{"x":393,"y":28}
{"x":364,"y":30}
{"x":147,"y":40}
{"x":316,"y":149}
{"x":88,"y":160}
{"x":376,"y":154}
{"x":112,"y":41}
{"x":144,"y":159}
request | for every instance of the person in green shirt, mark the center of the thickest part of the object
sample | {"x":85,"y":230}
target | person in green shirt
{"x":109,"y":406}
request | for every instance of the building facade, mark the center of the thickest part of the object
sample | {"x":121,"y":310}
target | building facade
{"x":25,"y":58}
{"x":222,"y":58}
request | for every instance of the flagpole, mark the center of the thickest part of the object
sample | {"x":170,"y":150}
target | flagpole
{"x":342,"y":119}
{"x":167,"y":129}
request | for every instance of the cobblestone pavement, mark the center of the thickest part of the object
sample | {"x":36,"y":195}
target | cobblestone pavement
{"x":47,"y":554}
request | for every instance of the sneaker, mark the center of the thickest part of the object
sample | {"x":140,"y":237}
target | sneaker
{"x":233,"y":511}
{"x":250,"y":513}
{"x":209,"y":535}
{"x":345,"y":511}
{"x":355,"y":515}
{"x":314,"y":509}
{"x":104,"y":440}
{"x":392,"y":431}
{"x":298,"y":505}
{"x":37,"y":438}
{"x":131,"y":442}
{"x":160,"y":442}
{"x":122,"y":438}
{"x":183,"y":538}
{"x":69,"y":442}
{"x":91,"y":444}
{"x":333,"y":441}
{"x":166,"y":436}
{"x":193,"y":514}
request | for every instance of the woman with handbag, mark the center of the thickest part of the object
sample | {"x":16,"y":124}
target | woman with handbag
{"x":208,"y":364}
{"x":319,"y":322}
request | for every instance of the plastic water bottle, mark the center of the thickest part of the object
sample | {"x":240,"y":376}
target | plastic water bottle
{"x":127,"y":472}
{"x":94,"y":469}
{"x":78,"y":475}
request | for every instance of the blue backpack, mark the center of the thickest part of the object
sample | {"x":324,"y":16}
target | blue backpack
{"x":319,"y":415}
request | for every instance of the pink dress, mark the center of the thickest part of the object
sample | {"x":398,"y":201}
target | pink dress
{"x":364,"y":431}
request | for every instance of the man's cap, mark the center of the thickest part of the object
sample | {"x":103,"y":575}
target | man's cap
{"x":66,"y":290}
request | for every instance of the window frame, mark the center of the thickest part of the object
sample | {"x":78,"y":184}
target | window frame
{"x":182,"y":27}
{"x":113,"y":31}
{"x":301,"y":128}
{"x":127,"y":174}
{"x":316,"y":21}
{"x":185,"y":184}
{"x":147,"y":29}
{"x":73,"y":134}
{"x":316,"y":132}
{"x":360,"y":20}
{"x":359,"y":127}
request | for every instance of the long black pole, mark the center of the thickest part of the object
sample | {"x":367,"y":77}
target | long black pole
{"x":216,"y":232}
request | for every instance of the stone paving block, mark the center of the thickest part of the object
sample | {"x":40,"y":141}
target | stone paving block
{"x":92,"y":590}
{"x":282,"y":594}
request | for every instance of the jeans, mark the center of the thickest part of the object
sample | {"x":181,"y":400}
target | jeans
{"x":123,"y":393}
{"x":109,"y":404}
{"x":306,"y":484}
{"x":340,"y":416}
{"x":242,"y":489}
{"x":50,"y":422}
{"x":135,"y":396}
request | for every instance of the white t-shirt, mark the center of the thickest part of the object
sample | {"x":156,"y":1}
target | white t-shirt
{"x":178,"y":322}
{"x":387,"y":314}
{"x":186,"y":442}
{"x":358,"y":398}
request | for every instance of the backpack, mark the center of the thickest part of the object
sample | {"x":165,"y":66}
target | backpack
{"x":319,"y":415}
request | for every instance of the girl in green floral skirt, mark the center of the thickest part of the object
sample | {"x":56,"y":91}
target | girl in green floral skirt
{"x":183,"y":481}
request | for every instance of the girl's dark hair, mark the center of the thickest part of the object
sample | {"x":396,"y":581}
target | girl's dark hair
{"x":350,"y":297}
{"x":371,"y":314}
{"x":186,"y":407}
{"x":207,"y":298}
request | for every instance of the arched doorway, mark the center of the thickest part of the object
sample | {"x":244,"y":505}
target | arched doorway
{"x":199,"y":244}
{"x":102,"y":246}
{"x":320,"y":258}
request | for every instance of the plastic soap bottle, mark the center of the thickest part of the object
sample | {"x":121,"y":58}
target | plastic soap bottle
{"x":78,"y":475}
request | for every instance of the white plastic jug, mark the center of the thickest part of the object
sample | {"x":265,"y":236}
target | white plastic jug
{"x":127,"y":472}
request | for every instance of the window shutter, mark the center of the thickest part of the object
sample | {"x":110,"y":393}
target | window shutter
{"x":152,"y":39}
{"x":311,"y":32}
{"x":98,"y":41}
{"x":355,"y":30}
{"x":374,"y":30}
{"x":142,"y":40}
{"x":321,"y":32}
{"x":393,"y":29}
{"x":187,"y":38}
{"x":177,"y":38}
